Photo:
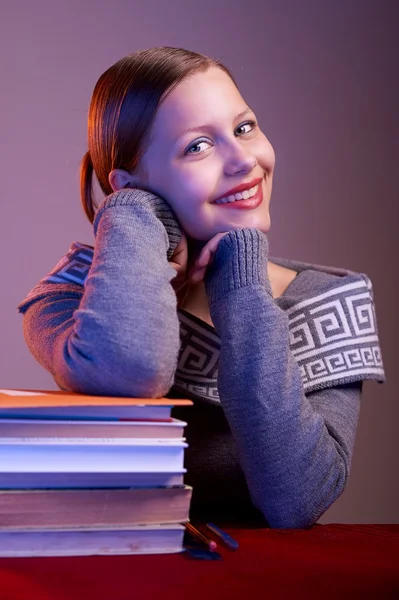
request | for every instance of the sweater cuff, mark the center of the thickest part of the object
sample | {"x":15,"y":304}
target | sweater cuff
{"x":240,"y":260}
{"x":159,"y":207}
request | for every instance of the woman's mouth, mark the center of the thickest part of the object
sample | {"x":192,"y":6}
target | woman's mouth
{"x":248,"y":199}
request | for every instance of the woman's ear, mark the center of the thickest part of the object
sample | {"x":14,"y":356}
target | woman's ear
{"x":119,"y":179}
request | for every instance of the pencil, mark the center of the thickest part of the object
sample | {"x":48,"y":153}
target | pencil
{"x":200,"y":536}
{"x":226,"y":539}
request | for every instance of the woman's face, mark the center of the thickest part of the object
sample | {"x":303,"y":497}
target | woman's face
{"x":223,"y":149}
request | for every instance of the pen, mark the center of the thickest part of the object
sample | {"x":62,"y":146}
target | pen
{"x":200,"y":536}
{"x":226,"y":539}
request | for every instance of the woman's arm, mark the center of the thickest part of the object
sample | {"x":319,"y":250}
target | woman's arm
{"x":295,"y":450}
{"x":120,"y":334}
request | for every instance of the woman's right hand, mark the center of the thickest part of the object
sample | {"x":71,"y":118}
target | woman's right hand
{"x":194,"y":272}
{"x":205,"y":258}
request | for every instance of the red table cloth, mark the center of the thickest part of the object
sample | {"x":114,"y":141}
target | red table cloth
{"x":325,"y":561}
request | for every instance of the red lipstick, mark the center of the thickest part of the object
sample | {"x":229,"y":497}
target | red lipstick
{"x":250,"y":203}
{"x":240,"y":188}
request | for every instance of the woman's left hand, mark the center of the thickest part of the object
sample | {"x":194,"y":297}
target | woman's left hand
{"x":205,"y":258}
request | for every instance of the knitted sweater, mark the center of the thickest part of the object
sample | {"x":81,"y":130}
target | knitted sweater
{"x":276,"y":383}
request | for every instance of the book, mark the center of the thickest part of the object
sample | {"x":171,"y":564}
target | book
{"x":172,"y":429}
{"x":139,"y":539}
{"x":84,"y":480}
{"x":86,"y":475}
{"x":39,"y":509}
{"x":40,"y":404}
{"x":91,"y":455}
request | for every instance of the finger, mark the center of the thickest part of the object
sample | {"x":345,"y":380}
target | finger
{"x":209,"y":250}
{"x":207,"y":253}
{"x":197,"y":275}
{"x":203,"y":258}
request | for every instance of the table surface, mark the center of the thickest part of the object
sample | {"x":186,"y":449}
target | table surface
{"x":355,"y":561}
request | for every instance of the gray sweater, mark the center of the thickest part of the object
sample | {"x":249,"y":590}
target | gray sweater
{"x":276,"y":384}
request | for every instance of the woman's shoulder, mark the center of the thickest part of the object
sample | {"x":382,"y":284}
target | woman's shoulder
{"x":333,"y":324}
{"x":73,"y":267}
{"x":315,"y":276}
{"x":67,"y":276}
{"x":316,"y":288}
{"x":300,"y":265}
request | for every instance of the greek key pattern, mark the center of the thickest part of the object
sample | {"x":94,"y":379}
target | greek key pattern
{"x":334,"y":337}
{"x":197,"y":368}
{"x":72,"y":268}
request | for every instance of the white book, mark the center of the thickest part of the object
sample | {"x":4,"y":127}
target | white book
{"x":145,"y":539}
{"x":88,"y":455}
{"x":91,"y":429}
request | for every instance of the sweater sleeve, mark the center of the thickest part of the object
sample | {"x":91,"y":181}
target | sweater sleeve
{"x":119,"y":335}
{"x":295,"y":450}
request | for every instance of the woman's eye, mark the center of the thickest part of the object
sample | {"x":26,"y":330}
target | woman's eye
{"x":196,"y":145}
{"x":250,"y":124}
{"x":191,"y":149}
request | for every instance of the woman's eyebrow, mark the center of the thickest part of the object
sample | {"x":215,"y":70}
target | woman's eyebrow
{"x":238,"y":117}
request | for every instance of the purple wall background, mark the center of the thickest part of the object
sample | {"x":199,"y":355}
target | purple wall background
{"x":322,"y":78}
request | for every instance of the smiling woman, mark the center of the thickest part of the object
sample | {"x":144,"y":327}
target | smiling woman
{"x":180,"y":297}
{"x":233,"y":155}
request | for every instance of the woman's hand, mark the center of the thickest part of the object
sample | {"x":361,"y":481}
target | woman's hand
{"x":205,"y":258}
{"x":179,"y":261}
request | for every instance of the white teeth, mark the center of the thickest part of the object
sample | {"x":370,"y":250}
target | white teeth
{"x":241,"y":196}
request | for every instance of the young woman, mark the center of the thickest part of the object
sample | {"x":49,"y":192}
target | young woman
{"x":180,"y":297}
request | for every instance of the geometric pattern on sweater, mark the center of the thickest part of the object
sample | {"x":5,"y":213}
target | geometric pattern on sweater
{"x":333,"y":335}
{"x":72,"y":268}
{"x":333,"y":338}
{"x":197,"y":367}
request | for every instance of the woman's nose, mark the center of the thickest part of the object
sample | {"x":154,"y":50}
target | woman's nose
{"x":239,"y":159}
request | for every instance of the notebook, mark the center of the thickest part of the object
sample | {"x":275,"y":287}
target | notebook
{"x":90,"y":455}
{"x":35,"y":509}
{"x":140,"y":539}
{"x":39,"y":404}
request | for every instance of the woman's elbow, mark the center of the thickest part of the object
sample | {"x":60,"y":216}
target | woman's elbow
{"x":303,"y":511}
{"x":114,"y":372}
{"x":292,"y":520}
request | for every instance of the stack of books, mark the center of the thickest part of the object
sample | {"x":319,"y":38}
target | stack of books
{"x":84,"y":475}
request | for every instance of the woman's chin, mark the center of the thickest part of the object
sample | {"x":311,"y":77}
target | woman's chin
{"x":199,"y":237}
{"x":262,"y":224}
